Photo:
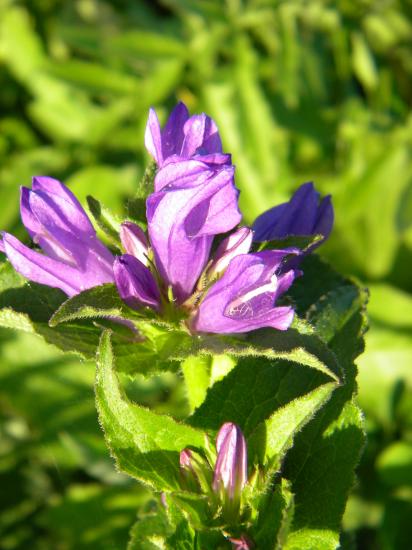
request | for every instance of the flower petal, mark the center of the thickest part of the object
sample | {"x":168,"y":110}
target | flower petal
{"x":153,"y":138}
{"x":136,"y":284}
{"x":41,"y":269}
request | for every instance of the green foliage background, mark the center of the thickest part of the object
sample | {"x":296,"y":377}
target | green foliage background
{"x":301,"y":91}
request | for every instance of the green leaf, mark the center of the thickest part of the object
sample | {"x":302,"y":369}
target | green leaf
{"x":321,"y":463}
{"x":168,"y":528}
{"x":100,"y":301}
{"x":254,"y":389}
{"x":197,"y":372}
{"x":296,"y":241}
{"x":394,"y":464}
{"x":275,"y":515}
{"x":286,"y":421}
{"x":136,"y":207}
{"x":107,"y":222}
{"x":144,"y":444}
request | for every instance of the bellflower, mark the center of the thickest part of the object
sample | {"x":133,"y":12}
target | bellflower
{"x":193,"y":201}
{"x":305,"y":214}
{"x":135,"y":283}
{"x":230,"y":472}
{"x":244,"y":298}
{"x":184,"y":136}
{"x":74,"y":259}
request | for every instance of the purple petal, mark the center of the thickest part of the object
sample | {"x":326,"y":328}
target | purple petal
{"x":136,"y":284}
{"x":153,"y":138}
{"x":325,"y":218}
{"x":236,"y":244}
{"x":65,"y":201}
{"x":134,"y":241}
{"x":302,"y":215}
{"x":41,"y":269}
{"x":172,"y":134}
{"x":184,"y":217}
{"x":201,"y":136}
{"x":182,"y":175}
{"x":244,"y":298}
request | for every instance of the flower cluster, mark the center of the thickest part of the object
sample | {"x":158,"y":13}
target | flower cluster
{"x":195,"y":200}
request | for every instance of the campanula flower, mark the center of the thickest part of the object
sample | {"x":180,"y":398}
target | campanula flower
{"x":74,"y":259}
{"x":230,"y":472}
{"x":193,"y":201}
{"x":184,"y":136}
{"x":135,"y":283}
{"x":244,"y":298}
{"x":305,"y":214}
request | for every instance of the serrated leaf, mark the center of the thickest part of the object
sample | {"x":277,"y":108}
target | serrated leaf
{"x":325,"y":453}
{"x":144,"y":444}
{"x":286,"y":421}
{"x":100,"y":301}
{"x":303,"y":242}
{"x":253,"y":390}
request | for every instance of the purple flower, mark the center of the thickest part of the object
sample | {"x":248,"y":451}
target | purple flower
{"x":302,"y":215}
{"x":244,"y":298}
{"x":74,"y":258}
{"x":230,"y":472}
{"x":185,"y":137}
{"x":135,"y":283}
{"x":237,"y":243}
{"x":193,"y":201}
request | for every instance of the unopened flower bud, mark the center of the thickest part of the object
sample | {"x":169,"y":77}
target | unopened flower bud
{"x":242,"y":543}
{"x":134,"y":241}
{"x":195,"y":471}
{"x":234,"y":245}
{"x":230,"y":473}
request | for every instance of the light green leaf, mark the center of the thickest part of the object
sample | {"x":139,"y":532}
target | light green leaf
{"x":100,"y":301}
{"x":144,"y":444}
{"x":394,"y":464}
{"x":106,"y":221}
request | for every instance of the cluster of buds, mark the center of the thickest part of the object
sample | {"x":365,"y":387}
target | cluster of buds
{"x":224,"y":482}
{"x":171,"y":267}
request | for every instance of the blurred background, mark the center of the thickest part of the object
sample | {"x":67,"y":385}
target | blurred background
{"x":301,"y":91}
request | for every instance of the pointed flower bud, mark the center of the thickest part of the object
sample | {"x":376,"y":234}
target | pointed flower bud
{"x":242,"y":543}
{"x":230,"y":473}
{"x":134,"y":241}
{"x":74,"y":259}
{"x":195,"y":471}
{"x":237,"y":243}
{"x":304,"y":215}
{"x":135,"y":283}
